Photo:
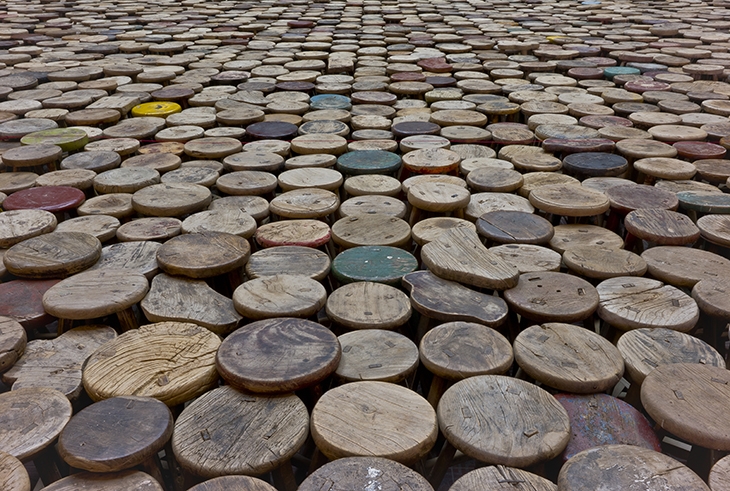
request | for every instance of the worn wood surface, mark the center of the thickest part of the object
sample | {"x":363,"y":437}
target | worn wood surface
{"x":22,"y":301}
{"x":57,"y":363}
{"x":494,"y":179}
{"x":633,"y":197}
{"x":376,"y":354}
{"x":118,"y":205}
{"x":152,"y":228}
{"x":552,"y":297}
{"x":175,"y":298}
{"x":633,"y":302}
{"x":373,"y":230}
{"x":430,"y":229}
{"x":226,"y":432}
{"x":171,"y":361}
{"x":227,"y":220}
{"x":577,"y":235}
{"x":663,"y":227}
{"x":715,"y":229}
{"x":305,"y":233}
{"x":19,"y":225}
{"x":373,"y":204}
{"x":684,"y":266}
{"x":233,"y":483}
{"x":448,"y":301}
{"x":305,"y":203}
{"x":571,"y":200}
{"x":103,"y":227}
{"x":351,"y":473}
{"x":602,"y":263}
{"x":93,"y":294}
{"x":438,"y":197}
{"x":508,"y":227}
{"x":13,"y":476}
{"x":481,"y":203}
{"x":528,"y":258}
{"x":171,"y":200}
{"x":203,"y":255}
{"x":281,"y":295}
{"x":368,"y":305}
{"x":296,"y":260}
{"x":109,"y":481}
{"x":711,"y":296}
{"x":645,"y":349}
{"x":641,"y":469}
{"x":278,"y":355}
{"x":115,"y":434}
{"x":499,"y":477}
{"x":382,"y":264}
{"x":125,"y":180}
{"x":503,"y":420}
{"x":12,"y":342}
{"x":720,"y":475}
{"x":135,"y":257}
{"x":568,"y":358}
{"x":31,"y":419}
{"x":459,"y":255}
{"x":377,"y":419}
{"x":54,"y":255}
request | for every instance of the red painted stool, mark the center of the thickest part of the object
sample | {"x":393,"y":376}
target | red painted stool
{"x":22,"y":300}
{"x":56,"y":199}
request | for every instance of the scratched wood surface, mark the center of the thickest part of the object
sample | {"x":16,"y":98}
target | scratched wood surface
{"x":684,"y":266}
{"x":226,"y":432}
{"x":662,"y":227}
{"x":305,"y":203}
{"x":112,"y":481}
{"x":500,"y":477}
{"x":13,"y":476}
{"x":351,"y":473}
{"x":233,"y":483}
{"x":376,"y":229}
{"x":552,"y":297}
{"x":601,"y":263}
{"x":203,"y":255}
{"x":368,"y":305}
{"x":53,"y":255}
{"x":171,"y":200}
{"x":137,"y":257}
{"x":578,"y":235}
{"x":18,"y":225}
{"x":297,"y":260}
{"x":376,"y":354}
{"x":281,"y":295}
{"x":720,"y":475}
{"x":13,"y":340}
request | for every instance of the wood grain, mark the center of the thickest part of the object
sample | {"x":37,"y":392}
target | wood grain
{"x":281,"y":295}
{"x":227,"y":220}
{"x":233,"y":483}
{"x":375,"y":229}
{"x":115,"y":434}
{"x":528,"y":258}
{"x":571,"y":200}
{"x":296,"y":260}
{"x":12,"y":342}
{"x":630,"y":302}
{"x":507,"y":227}
{"x":574,"y":235}
{"x":112,"y":481}
{"x":13,"y":476}
{"x":375,"y":419}
{"x":171,"y":361}
{"x":684,"y":266}
{"x":54,"y":255}
{"x":57,"y":363}
{"x":103,"y":227}
{"x":305,"y":203}
{"x":203,"y":255}
{"x":481,"y":203}
{"x":459,"y":255}
{"x":368,"y":305}
{"x":499,"y":477}
{"x":135,"y":257}
{"x":502,"y":420}
{"x":175,"y":298}
{"x":602,"y":263}
{"x":720,"y":475}
{"x":19,"y":225}
{"x":230,"y":432}
{"x":171,"y":200}
{"x":447,"y":300}
{"x":364,"y":473}
{"x":376,"y":354}
{"x":662,"y":227}
{"x":711,"y":296}
{"x":552,"y":297}
{"x":278,"y":355}
{"x":306,"y":233}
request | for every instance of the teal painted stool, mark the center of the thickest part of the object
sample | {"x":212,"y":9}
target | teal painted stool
{"x":612,"y":71}
{"x":380,"y":264}
{"x":362,"y":162}
{"x":699,"y":203}
{"x":330,"y":101}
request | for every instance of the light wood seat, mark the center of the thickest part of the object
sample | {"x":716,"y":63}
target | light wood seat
{"x":720,"y":474}
{"x":371,"y":230}
{"x":288,"y":260}
{"x":281,"y":295}
{"x":376,"y":354}
{"x":103,"y":227}
{"x":528,"y":258}
{"x":111,"y":481}
{"x":514,"y":227}
{"x":684,"y":266}
{"x":368,"y":305}
{"x":308,"y":203}
{"x":305,"y":233}
{"x":373,"y":204}
{"x":134,"y":257}
{"x":570,"y":236}
{"x":151,"y":228}
{"x":662,"y":227}
{"x":358,"y":472}
{"x":499,"y":477}
{"x":171,"y":200}
{"x":233,"y":483}
{"x":54,"y":255}
{"x":13,"y":476}
{"x":600,"y":263}
{"x":17,"y":226}
{"x":203,"y":255}
{"x":570,"y":200}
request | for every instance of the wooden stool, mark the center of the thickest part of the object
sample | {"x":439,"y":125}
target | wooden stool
{"x":34,"y":156}
{"x":13,"y":476}
{"x":594,"y":164}
{"x":381,"y":420}
{"x":233,"y":483}
{"x":371,"y":205}
{"x":625,"y":199}
{"x":305,"y":233}
{"x":309,"y":203}
{"x":569,"y":200}
{"x":328,"y":179}
{"x":431,"y":229}
{"x":684,"y":266}
{"x":600,"y":419}
{"x":568,"y":358}
{"x":371,"y":230}
{"x":569,"y":236}
{"x":59,"y":254}
{"x":372,"y":184}
{"x":359,"y":472}
{"x":175,"y":298}
{"x":368,"y":305}
{"x":375,"y":354}
{"x":289,"y":260}
{"x":17,"y":226}
{"x":103,"y":227}
{"x":107,"y":482}
{"x":13,"y":342}
{"x":663,"y":168}
{"x":719,"y":479}
{"x":380,"y":264}
{"x":528,"y":258}
{"x":225,"y":220}
{"x":57,"y":363}
{"x":710,"y":297}
{"x":698,"y":202}
{"x":260,"y":434}
{"x":282,"y":295}
{"x":483,"y":406}
{"x":698,"y":417}
{"x":171,"y":200}
{"x":482,"y":203}
{"x":170,"y":361}
{"x":118,"y":205}
{"x":247,"y":183}
{"x":514,"y":227}
{"x":457,"y":350}
{"x":495,"y":478}
{"x":597,"y":467}
{"x":22,"y":302}
{"x":32,"y":419}
{"x":431,"y":161}
{"x":139,"y":426}
{"x":662,"y":227}
{"x":491,"y":179}
{"x":600,"y":263}
{"x":437,"y":198}
{"x":125,"y":180}
{"x":134,"y":257}
{"x":152,"y":228}
{"x":56,"y":199}
{"x":361,"y":162}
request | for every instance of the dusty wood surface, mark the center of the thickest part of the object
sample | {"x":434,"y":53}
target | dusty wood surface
{"x":570,"y":236}
{"x":375,"y":419}
{"x":22,"y":301}
{"x":715,"y":228}
{"x":459,"y":255}
{"x":430,"y":229}
{"x":375,"y":229}
{"x":171,"y":200}
{"x":227,"y":220}
{"x":115,"y":434}
{"x":57,"y":363}
{"x":13,"y":476}
{"x":296,"y":260}
{"x":306,"y":233}
{"x":499,"y":477}
{"x":18,"y":225}
{"x":175,"y":298}
{"x":662,"y":227}
{"x":571,"y":200}
{"x":278,"y":355}
{"x":528,"y":258}
{"x":227,"y":432}
{"x":507,"y":227}
{"x":601,"y":263}
{"x":438,"y":196}
{"x":481,"y":203}
{"x":552,"y":297}
{"x":113,"y":481}
{"x":103,"y":227}
{"x":54,"y":255}
{"x":360,"y":472}
{"x":135,"y":257}
{"x":171,"y":361}
{"x":203,"y":255}
{"x":281,"y":295}
{"x":568,"y":358}
{"x":720,"y":475}
{"x":630,"y":302}
{"x":684,"y":266}
{"x":376,"y":354}
{"x":711,"y":296}
{"x":233,"y":483}
{"x":152,"y":228}
{"x":503,"y":420}
{"x":12,"y":342}
{"x":305,"y":203}
{"x":368,"y":305}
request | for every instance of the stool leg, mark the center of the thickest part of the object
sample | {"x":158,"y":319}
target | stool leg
{"x":64,"y":325}
{"x":45,"y":464}
{"x":127,"y":320}
{"x":152,"y":467}
{"x":284,"y":477}
{"x":442,"y":464}
{"x":438,"y":387}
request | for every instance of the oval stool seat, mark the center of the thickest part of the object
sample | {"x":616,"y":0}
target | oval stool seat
{"x":371,"y":230}
{"x":305,"y":233}
{"x":281,"y":295}
{"x":720,"y":474}
{"x":54,"y":255}
{"x":382,"y":264}
{"x":289,"y":260}
{"x":19,"y":225}
{"x":103,"y":227}
{"x":376,"y":354}
{"x":499,"y":477}
{"x":233,"y":483}
{"x":684,"y":266}
{"x":662,"y":227}
{"x":13,"y":475}
{"x":23,"y":302}
{"x":203,"y":255}
{"x":111,"y":481}
{"x":368,"y":305}
{"x":151,"y":228}
{"x":56,"y":199}
{"x":567,"y":237}
{"x":514,"y":227}
{"x":601,"y":263}
{"x":360,"y":472}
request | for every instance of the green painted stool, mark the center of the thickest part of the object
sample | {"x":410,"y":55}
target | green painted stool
{"x":362,"y":162}
{"x":69,"y":139}
{"x":381,"y":264}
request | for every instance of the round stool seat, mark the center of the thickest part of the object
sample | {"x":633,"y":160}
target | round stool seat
{"x":628,"y":198}
{"x":305,"y":203}
{"x":109,"y":481}
{"x":22,"y":302}
{"x":438,"y":197}
{"x":481,"y":203}
{"x":380,"y":264}
{"x":56,"y":199}
{"x":476,"y":415}
{"x":571,"y":200}
{"x":489,"y":179}
{"x":255,"y":206}
{"x":153,"y":228}
{"x":637,"y":148}
{"x":632,"y":303}
{"x":458,"y":350}
{"x":380,"y":419}
{"x":702,"y":391}
{"x":13,"y":476}
{"x":704,"y":202}
{"x":233,"y":483}
{"x":247,"y":183}
{"x":54,"y":255}
{"x":328,"y":179}
{"x":431,"y":161}
{"x":12,"y":342}
{"x":560,"y":297}
{"x":225,"y":220}
{"x":289,"y":260}
{"x":359,"y":472}
{"x":212,"y":148}
{"x":699,"y":150}
{"x":568,"y":358}
{"x":170,"y":361}
{"x":569,"y":236}
{"x":125,"y":180}
{"x":319,"y":143}
{"x":432,"y":178}
{"x":375,"y":230}
{"x":259,"y":434}
{"x":191,"y":175}
{"x":32,"y":156}
{"x":714,"y":229}
{"x":311,"y":350}
{"x":368,"y":305}
{"x":720,"y":474}
{"x":597,"y":467}
{"x":12,"y":182}
{"x":375,"y":354}
{"x":645,"y":349}
{"x":619,"y":422}
{"x":307,"y":233}
{"x":684,"y":266}
{"x":282,"y":295}
{"x":528,"y":258}
{"x":372,"y":184}
{"x":140,"y":427}
{"x":362,"y":162}
{"x":19,"y":225}
{"x":714,"y":171}
{"x":514,"y":227}
{"x":495,"y":478}
{"x":373,"y":205}
{"x":534,"y":180}
{"x":135,"y":257}
{"x":601,"y":263}
{"x":666,"y":168}
{"x":171,"y":200}
{"x":76,"y":178}
{"x":203,"y":255}
{"x":431,"y":229}
{"x":272,"y":130}
{"x":594,"y":164}
{"x":661,"y":227}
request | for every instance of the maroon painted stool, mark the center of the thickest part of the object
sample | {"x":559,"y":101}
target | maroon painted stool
{"x":600,"y":419}
{"x":694,"y":150}
{"x":56,"y":199}
{"x":22,"y":300}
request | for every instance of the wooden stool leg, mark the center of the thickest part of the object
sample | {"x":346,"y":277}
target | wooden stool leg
{"x":442,"y":464}
{"x":284,"y":477}
{"x":127,"y":320}
{"x":438,"y":387}
{"x":64,"y":325}
{"x":152,"y":467}
{"x":45,"y":464}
